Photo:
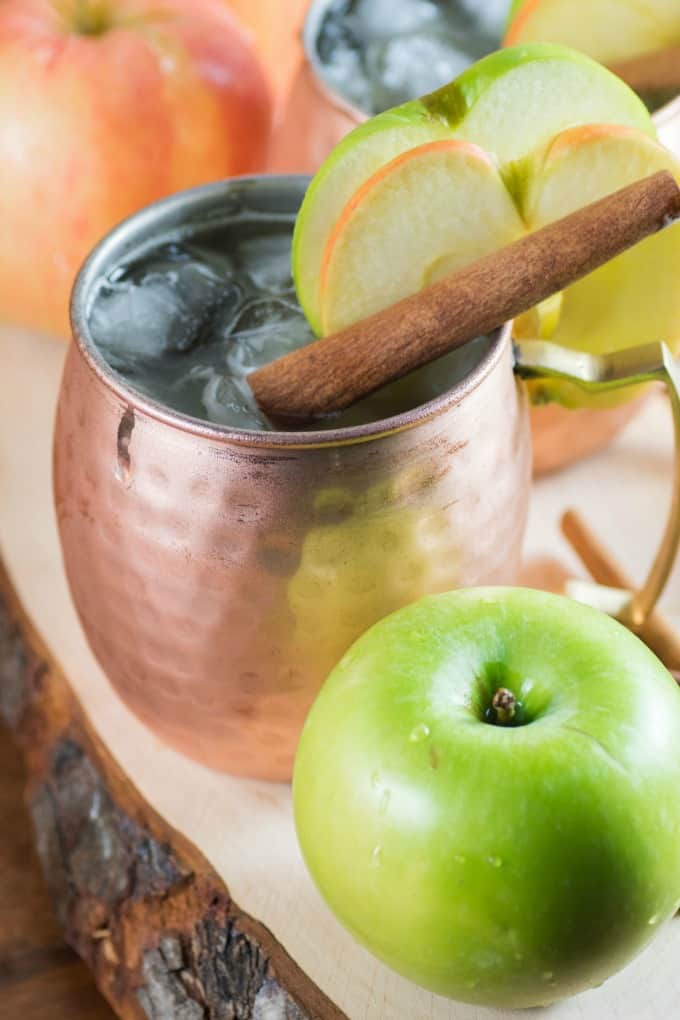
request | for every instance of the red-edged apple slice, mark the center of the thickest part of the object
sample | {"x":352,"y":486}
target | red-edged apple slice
{"x":608,"y":30}
{"x":634,"y":299}
{"x":432,"y":210}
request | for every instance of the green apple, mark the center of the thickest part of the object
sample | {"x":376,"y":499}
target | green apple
{"x":608,"y":30}
{"x":486,"y":794}
{"x":509,"y":104}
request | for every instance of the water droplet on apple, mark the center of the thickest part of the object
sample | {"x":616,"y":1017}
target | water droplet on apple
{"x":495,"y":862}
{"x":459,"y":859}
{"x":385,"y":800}
{"x":375,"y":778}
{"x":548,"y":975}
{"x":376,"y":856}
{"x":654,"y":919}
{"x":419,"y":733}
{"x":519,"y":956}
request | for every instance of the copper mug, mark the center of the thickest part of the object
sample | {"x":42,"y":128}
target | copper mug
{"x":316,"y":117}
{"x":220,"y":574}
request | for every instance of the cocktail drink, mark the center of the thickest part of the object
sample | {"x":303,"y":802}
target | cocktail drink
{"x":221,"y":567}
{"x":186,"y":319}
{"x":376,"y":54}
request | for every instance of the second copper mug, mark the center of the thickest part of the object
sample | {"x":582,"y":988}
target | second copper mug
{"x":220,"y":574}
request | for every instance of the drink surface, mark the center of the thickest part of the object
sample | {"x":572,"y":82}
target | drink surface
{"x":185,"y":319}
{"x":380,"y":53}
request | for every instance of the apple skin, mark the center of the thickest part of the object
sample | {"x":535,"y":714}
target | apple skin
{"x":276,"y":30}
{"x":506,"y":866}
{"x":607,"y":30}
{"x":93,"y":127}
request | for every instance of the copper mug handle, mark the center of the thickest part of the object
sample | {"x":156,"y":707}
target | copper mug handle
{"x":540,"y":360}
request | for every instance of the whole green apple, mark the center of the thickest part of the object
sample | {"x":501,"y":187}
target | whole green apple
{"x":487,"y":794}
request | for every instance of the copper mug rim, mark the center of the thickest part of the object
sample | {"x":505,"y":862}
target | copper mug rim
{"x":164,"y":216}
{"x":310,"y":34}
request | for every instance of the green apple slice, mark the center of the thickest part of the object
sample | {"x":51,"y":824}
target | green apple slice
{"x":357,"y":157}
{"x":635,"y":298}
{"x":509,"y":103}
{"x":442,"y":205}
{"x":608,"y":30}
{"x":430,"y":211}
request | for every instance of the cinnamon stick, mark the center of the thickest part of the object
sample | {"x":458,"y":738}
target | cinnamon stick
{"x":656,"y":632}
{"x":334,"y":373}
{"x":651,"y":72}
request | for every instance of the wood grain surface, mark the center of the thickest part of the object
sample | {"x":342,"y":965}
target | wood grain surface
{"x":138,"y":902}
{"x":40,"y":977}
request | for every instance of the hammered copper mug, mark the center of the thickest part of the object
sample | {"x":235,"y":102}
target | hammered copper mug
{"x":219,"y":574}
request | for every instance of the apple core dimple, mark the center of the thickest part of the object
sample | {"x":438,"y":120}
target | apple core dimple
{"x":90,"y":17}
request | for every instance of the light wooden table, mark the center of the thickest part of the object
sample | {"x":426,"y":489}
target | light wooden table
{"x":245,"y":829}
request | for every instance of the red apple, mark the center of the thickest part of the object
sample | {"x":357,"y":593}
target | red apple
{"x":276,"y":26}
{"x":105,"y":106}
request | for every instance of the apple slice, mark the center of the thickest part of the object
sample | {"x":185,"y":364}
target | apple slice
{"x":444,"y":204}
{"x":540,"y":322}
{"x":608,"y":30}
{"x":635,"y":298}
{"x":509,"y":103}
{"x":431,"y":210}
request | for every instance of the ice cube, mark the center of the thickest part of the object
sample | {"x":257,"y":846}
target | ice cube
{"x":413,"y":65}
{"x":163,"y":309}
{"x":264,"y":329}
{"x":229,"y":401}
{"x":345,"y":74}
{"x":216,"y":261}
{"x":391,"y":17}
{"x":379,"y":53}
{"x":340,"y":48}
{"x":266,"y":261}
{"x":490,"y":15}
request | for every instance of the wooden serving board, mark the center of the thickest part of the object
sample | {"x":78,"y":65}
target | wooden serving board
{"x":149,"y":910}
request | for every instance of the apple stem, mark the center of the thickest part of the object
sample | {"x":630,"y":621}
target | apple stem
{"x":504,"y":704}
{"x":86,"y":17}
